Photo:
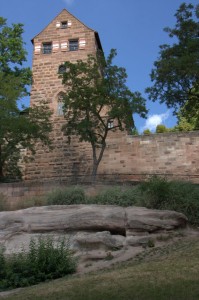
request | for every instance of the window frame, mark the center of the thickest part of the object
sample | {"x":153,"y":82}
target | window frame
{"x":47,"y":47}
{"x":73,"y":47}
{"x":61,"y":69}
{"x":110,"y":124}
{"x":64,"y":25}
{"x":60,"y":104}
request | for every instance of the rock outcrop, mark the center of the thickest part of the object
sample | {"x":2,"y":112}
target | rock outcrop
{"x":94,"y":231}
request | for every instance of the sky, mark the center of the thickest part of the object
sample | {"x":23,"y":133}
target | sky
{"x":133,"y":27}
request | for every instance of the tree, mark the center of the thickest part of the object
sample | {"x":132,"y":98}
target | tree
{"x":17,"y":129}
{"x":147,"y":131}
{"x":176,"y":72}
{"x":161,"y":128}
{"x":98,"y":101}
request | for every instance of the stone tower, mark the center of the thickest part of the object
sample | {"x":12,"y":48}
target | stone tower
{"x":64,"y":39}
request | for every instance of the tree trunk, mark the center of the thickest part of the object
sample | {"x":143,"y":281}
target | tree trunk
{"x":96,"y":161}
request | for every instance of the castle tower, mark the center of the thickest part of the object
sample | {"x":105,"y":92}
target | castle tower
{"x":64,"y":39}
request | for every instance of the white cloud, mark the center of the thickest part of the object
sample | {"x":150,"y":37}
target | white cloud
{"x":68,"y":2}
{"x":154,"y":120}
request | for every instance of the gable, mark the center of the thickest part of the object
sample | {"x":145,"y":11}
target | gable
{"x":55,"y":29}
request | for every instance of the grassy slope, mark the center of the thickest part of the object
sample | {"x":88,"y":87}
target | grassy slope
{"x":169,"y":274}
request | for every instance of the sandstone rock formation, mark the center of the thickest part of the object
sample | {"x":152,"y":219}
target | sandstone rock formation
{"x":94,"y":231}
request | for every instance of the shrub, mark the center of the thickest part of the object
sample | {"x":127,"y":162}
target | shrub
{"x":159,"y":193}
{"x":147,"y":131}
{"x":117,"y":196}
{"x":42,"y":262}
{"x":161,"y":128}
{"x":66,"y":196}
{"x":3,"y":202}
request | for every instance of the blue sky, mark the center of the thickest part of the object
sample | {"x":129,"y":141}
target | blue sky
{"x":133,"y":27}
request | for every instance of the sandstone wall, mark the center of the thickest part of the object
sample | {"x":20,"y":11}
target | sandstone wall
{"x":126,"y":158}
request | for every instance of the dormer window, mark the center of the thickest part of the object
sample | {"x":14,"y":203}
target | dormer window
{"x":73,"y":45}
{"x":64,"y":25}
{"x":47,"y":48}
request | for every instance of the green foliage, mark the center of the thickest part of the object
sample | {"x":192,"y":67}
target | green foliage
{"x":98,"y":101}
{"x":45,"y":260}
{"x":147,"y":131}
{"x":161,"y":128}
{"x":183,"y":125}
{"x":176,"y":72}
{"x":117,"y":196}
{"x":159,"y":193}
{"x":3,"y":202}
{"x":18,"y":130}
{"x":134,"y":131}
{"x":66,"y":196}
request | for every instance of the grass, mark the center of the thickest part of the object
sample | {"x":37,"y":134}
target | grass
{"x":169,"y":274}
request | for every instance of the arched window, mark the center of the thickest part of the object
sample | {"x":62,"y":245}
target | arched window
{"x":60,"y":104}
{"x":61,"y":69}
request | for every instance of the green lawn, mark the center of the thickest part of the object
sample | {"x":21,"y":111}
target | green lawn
{"x":171,"y":273}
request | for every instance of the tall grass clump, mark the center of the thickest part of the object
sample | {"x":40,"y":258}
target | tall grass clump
{"x":66,"y":196}
{"x":3,"y":202}
{"x":123,"y":196}
{"x":159,"y":193}
{"x":45,"y":260}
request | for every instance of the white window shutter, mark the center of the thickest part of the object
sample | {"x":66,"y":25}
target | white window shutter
{"x":58,"y":24}
{"x":82,"y":43}
{"x":69,"y":23}
{"x":37,"y":48}
{"x":64,"y":46}
{"x":55,"y":46}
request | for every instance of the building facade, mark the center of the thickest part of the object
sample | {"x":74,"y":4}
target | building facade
{"x":126,"y":157}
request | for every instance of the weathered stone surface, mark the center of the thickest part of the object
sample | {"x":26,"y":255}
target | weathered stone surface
{"x":148,"y":220}
{"x":99,"y":240}
{"x":66,"y":217}
{"x":96,"y":228}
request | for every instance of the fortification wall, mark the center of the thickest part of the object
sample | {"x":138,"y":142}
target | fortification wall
{"x":126,"y":158}
{"x":172,"y":154}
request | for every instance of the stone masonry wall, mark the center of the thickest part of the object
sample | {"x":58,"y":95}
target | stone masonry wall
{"x":175,"y":155}
{"x":126,"y":158}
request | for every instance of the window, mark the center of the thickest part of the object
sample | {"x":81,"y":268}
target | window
{"x":60,"y":104}
{"x":73,"y":45}
{"x":64,"y":24}
{"x":61,"y":69}
{"x":110,"y":124}
{"x":47,"y":48}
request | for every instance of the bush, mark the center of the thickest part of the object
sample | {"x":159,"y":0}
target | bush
{"x":66,"y":196}
{"x":3,"y":202}
{"x":147,"y":131}
{"x":117,"y":196}
{"x":159,"y":193}
{"x":42,"y":262}
{"x":161,"y":128}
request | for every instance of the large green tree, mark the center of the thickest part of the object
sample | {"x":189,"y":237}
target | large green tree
{"x":97,"y":101}
{"x":175,"y":75}
{"x":17,"y":129}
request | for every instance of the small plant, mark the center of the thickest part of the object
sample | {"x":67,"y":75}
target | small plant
{"x":45,"y":260}
{"x":109,"y":256}
{"x":150,"y":243}
{"x":3,"y":202}
{"x":66,"y":196}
